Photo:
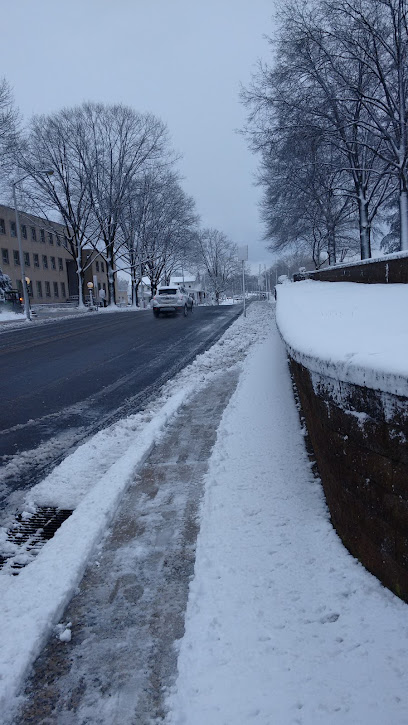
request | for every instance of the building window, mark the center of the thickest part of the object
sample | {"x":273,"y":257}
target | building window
{"x":58,"y":240}
{"x":16,"y":256}
{"x":30,"y":289}
{"x":26,"y":259}
{"x":5,"y":256}
{"x":56,"y":289}
{"x":47,"y":289}
{"x":24,"y":231}
{"x":2,"y":226}
{"x":33,"y":234}
{"x":65,"y":242}
{"x":102,"y":267}
{"x":104,"y":286}
{"x":39,"y":289}
{"x":53,"y":264}
{"x":13,"y":229}
{"x":60,"y":264}
{"x":45,"y":261}
{"x":50,"y":238}
{"x":36,"y":260}
{"x":63,"y":289}
{"x":42,"y":235}
{"x":97,"y":266}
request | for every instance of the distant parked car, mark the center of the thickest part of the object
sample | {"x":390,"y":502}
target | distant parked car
{"x":172,"y":299}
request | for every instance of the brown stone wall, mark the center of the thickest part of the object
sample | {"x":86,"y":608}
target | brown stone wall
{"x":360,"y":441}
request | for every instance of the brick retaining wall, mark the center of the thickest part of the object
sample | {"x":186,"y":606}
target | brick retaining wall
{"x":359,"y":437}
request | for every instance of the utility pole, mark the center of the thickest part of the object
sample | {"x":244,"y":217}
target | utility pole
{"x":267,"y":282}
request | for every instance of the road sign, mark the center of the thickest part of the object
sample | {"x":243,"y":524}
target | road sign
{"x":243,"y":253}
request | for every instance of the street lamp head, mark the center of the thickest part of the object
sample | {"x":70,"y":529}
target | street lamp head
{"x":33,"y":174}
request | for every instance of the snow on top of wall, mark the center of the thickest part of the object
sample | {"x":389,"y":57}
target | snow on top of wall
{"x":353,"y":332}
{"x":358,"y":262}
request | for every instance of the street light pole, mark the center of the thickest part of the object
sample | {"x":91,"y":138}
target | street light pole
{"x":20,"y":251}
{"x":243,"y":286}
{"x":243,"y":257}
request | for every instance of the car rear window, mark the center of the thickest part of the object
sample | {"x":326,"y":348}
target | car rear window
{"x":167,"y":291}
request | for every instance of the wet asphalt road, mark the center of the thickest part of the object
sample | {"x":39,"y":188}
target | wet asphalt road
{"x":63,"y":381}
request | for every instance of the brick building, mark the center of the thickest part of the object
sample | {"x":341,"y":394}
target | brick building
{"x":48,"y":265}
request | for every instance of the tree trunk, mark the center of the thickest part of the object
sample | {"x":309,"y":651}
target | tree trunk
{"x":365,"y":243}
{"x":331,"y":247}
{"x":111,"y":284}
{"x":134,"y":287}
{"x":403,"y":209}
{"x":80,"y":274}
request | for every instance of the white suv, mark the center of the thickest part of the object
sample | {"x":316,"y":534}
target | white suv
{"x":172,"y":299}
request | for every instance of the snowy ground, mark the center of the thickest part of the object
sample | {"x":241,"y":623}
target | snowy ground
{"x":8,"y":316}
{"x":92,"y":481}
{"x":283,"y":625}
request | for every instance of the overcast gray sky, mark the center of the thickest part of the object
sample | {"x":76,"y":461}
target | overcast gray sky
{"x":183,"y":60}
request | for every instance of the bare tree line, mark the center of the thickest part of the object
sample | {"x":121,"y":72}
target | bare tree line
{"x":115,"y":188}
{"x":328,"y":118}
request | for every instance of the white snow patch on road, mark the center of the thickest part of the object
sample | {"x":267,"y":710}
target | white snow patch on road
{"x":283,"y":625}
{"x":92,"y":481}
{"x":353,"y":332}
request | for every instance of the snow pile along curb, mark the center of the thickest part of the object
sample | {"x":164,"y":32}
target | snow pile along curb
{"x":34,"y":600}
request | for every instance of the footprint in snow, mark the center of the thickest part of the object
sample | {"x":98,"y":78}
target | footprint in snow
{"x":329,"y":618}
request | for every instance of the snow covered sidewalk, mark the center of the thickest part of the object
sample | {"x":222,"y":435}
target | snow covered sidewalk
{"x":283,"y":626}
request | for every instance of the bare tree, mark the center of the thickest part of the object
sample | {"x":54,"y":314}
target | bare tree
{"x":9,"y":127}
{"x":331,"y":99}
{"x":95,"y":153}
{"x":374,"y":33}
{"x":121,"y":144}
{"x":304,"y":195}
{"x":132,"y":223}
{"x":159,"y":227}
{"x":58,"y":143}
{"x":318,"y":87}
{"x":218,"y":257}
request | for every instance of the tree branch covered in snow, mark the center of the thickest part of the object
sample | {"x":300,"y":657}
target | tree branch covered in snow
{"x":337,"y":83}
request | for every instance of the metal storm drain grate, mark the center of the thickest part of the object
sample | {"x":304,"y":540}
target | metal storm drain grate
{"x":28,"y":535}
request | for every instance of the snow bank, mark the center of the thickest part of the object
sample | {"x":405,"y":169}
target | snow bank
{"x":92,"y":481}
{"x":34,"y":600}
{"x":8,"y":316}
{"x":357,"y":333}
{"x":283,"y":625}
